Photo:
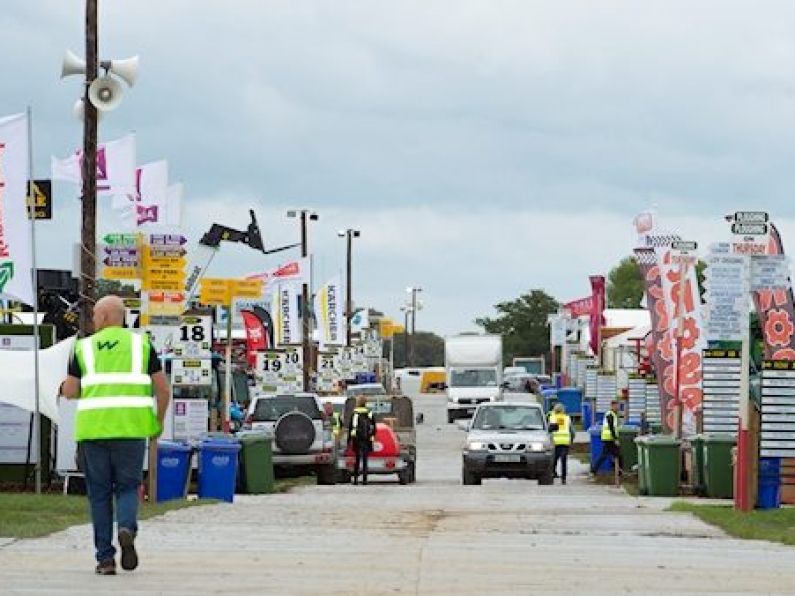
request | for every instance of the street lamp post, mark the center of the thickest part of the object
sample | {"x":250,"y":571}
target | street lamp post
{"x":305,"y":215}
{"x":406,"y":311}
{"x":349,"y":234}
{"x":413,"y":291}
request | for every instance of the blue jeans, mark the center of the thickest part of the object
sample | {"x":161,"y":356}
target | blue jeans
{"x":113,"y":467}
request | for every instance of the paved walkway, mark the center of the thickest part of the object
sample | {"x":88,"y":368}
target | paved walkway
{"x":437,"y":537}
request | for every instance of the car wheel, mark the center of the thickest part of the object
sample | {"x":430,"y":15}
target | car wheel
{"x":326,"y":474}
{"x":412,"y":472}
{"x":547,"y":477}
{"x":343,"y":477}
{"x":470,"y":478}
{"x":450,"y":417}
{"x":403,"y":477}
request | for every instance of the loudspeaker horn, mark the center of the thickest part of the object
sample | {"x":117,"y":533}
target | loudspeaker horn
{"x":79,"y":110}
{"x":105,"y":93}
{"x":72,"y":65}
{"x":126,"y":69}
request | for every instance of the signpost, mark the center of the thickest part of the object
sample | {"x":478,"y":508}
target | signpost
{"x":778,"y":409}
{"x":223,"y":292}
{"x":721,"y":385}
{"x":751,"y":236}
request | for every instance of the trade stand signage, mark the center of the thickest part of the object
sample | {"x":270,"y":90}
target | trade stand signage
{"x":191,"y":372}
{"x":722,"y":378}
{"x":778,"y":409}
{"x":194,"y":337}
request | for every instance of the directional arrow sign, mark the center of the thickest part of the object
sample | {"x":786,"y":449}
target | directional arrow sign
{"x":749,"y":229}
{"x":121,"y":239}
{"x":751,"y":217}
{"x":163,"y":284}
{"x":167,"y":240}
{"x":684,"y":245}
{"x":246,"y":288}
{"x":120,"y":273}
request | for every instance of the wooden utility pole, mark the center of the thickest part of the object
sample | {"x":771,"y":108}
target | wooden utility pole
{"x":305,"y":305}
{"x":349,"y":290}
{"x":88,"y":263}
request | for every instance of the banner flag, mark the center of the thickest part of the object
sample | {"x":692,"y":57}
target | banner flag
{"x":776,"y":310}
{"x":297,"y":271}
{"x":256,"y":336}
{"x":16,"y":250}
{"x":286,"y":320}
{"x":360,"y":320}
{"x":597,"y":313}
{"x":330,"y":313}
{"x":115,"y":167}
{"x":143,"y":206}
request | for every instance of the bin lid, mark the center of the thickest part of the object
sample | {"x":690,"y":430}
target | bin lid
{"x":173,"y":446}
{"x":722,"y":438}
{"x":641,"y":440}
{"x":663,"y":440}
{"x":595,"y":429}
{"x":215,"y":445}
{"x":629,"y":428}
{"x":254,"y":436}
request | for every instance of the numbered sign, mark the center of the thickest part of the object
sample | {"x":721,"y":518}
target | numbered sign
{"x":292,"y":373}
{"x":269,"y":365}
{"x":191,"y":372}
{"x":193,"y":338}
{"x":328,"y":374}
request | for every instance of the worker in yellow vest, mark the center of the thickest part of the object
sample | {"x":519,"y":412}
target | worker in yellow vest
{"x":610,"y":442}
{"x":562,"y":432}
{"x":113,"y":375}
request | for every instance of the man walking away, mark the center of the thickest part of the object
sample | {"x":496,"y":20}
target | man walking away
{"x":562,"y":437}
{"x":113,"y":375}
{"x":360,"y":435}
{"x":610,"y":442}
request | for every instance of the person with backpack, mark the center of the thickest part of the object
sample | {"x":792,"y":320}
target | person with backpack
{"x":360,"y":436}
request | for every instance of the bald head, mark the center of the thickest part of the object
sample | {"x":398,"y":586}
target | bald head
{"x":108,"y":312}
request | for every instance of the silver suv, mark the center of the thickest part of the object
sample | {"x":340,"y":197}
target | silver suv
{"x":302,"y":436}
{"x":508,"y":440}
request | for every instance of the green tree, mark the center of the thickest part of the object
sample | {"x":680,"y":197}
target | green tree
{"x":522,"y":323}
{"x":428,"y":349}
{"x":114,"y":286}
{"x":625,"y":285}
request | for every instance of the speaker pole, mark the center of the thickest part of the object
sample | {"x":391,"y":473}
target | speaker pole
{"x":88,"y":265}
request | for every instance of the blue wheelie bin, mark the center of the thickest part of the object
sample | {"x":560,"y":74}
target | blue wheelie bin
{"x":173,"y":467}
{"x":218,"y":468}
{"x":571,"y":398}
{"x":587,"y":414}
{"x":769,"y":483}
{"x":596,"y":449}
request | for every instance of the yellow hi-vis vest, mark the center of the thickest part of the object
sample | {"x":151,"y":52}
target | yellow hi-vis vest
{"x":606,"y":434}
{"x":355,"y":419}
{"x":562,"y":436}
{"x":115,"y":390}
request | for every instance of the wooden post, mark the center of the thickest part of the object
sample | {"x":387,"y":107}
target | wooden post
{"x":152,"y":479}
{"x":88,"y":264}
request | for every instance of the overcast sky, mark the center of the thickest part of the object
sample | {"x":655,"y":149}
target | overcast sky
{"x":482,"y":148}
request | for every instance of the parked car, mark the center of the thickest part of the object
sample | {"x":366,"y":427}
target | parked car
{"x":302,"y":436}
{"x":508,"y":440}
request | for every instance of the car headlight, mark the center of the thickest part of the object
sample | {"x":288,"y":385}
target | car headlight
{"x":538,"y":446}
{"x":477,"y":446}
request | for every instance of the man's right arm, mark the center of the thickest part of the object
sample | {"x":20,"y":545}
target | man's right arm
{"x":611,"y":422}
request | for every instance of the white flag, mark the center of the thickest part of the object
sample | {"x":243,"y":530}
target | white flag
{"x":360,"y":320}
{"x":297,"y":271}
{"x":154,"y":203}
{"x":115,"y":167}
{"x":16,"y":250}
{"x":330,"y":313}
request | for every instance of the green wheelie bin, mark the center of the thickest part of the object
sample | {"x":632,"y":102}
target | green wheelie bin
{"x":626,"y":441}
{"x":256,"y":459}
{"x":664,"y":460}
{"x":718,"y":474}
{"x":697,"y":443}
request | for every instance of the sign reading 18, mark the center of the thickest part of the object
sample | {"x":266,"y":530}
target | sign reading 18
{"x":192,"y":333}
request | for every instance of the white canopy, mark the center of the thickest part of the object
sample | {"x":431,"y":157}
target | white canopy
{"x":18,"y":382}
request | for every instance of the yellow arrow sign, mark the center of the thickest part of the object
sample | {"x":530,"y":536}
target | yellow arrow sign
{"x":164,"y":274}
{"x":120,"y":273}
{"x":170,"y":285}
{"x":217,"y":297}
{"x":246,"y":288}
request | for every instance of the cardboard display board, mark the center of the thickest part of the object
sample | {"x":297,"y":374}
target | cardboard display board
{"x":637,"y":397}
{"x":653,"y":410}
{"x":606,"y":389}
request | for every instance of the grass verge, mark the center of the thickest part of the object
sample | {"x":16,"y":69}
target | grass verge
{"x":774,"y":525}
{"x":30,"y":516}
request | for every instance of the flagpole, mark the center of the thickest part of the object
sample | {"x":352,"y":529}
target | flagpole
{"x":36,"y":338}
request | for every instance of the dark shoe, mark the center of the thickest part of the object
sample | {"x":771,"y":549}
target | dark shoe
{"x":106,"y":567}
{"x":129,"y":558}
{"x":563,"y":481}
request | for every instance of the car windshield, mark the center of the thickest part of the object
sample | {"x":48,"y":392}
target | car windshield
{"x":508,"y":418}
{"x":270,"y":409}
{"x":353,"y":390}
{"x":473,"y":377}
